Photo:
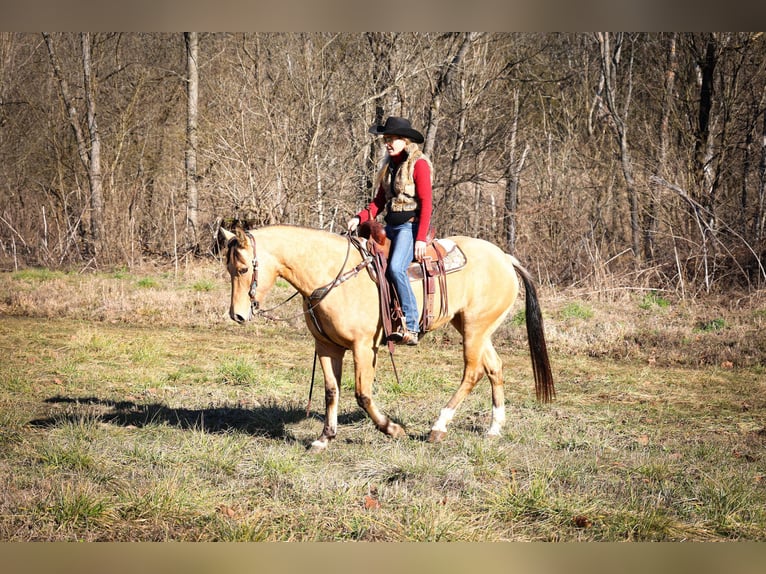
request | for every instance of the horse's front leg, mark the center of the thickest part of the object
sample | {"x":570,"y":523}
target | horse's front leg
{"x":364,"y":367}
{"x":331,"y":361}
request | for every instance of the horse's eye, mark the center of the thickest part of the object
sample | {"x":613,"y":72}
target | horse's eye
{"x":242,"y":271}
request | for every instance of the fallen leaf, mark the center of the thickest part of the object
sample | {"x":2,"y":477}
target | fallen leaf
{"x":727,"y":365}
{"x":643,"y":440}
{"x":581,"y":521}
{"x":227,"y":511}
{"x":371,"y":503}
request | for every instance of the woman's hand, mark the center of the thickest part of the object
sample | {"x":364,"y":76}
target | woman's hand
{"x":353,"y":223}
{"x":420,"y":250}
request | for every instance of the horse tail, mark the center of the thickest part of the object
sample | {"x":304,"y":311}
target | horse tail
{"x":541,"y":366}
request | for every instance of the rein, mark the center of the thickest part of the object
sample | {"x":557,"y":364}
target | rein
{"x":312,"y":300}
{"x":318,"y":294}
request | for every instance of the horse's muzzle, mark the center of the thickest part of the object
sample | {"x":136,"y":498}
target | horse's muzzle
{"x":239,"y":318}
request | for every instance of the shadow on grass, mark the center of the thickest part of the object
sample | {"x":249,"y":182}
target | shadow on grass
{"x":266,"y":420}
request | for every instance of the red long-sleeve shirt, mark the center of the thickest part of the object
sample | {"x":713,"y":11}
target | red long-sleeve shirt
{"x":421,"y":175}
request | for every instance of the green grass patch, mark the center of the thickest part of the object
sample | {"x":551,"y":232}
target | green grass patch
{"x":204,"y":285}
{"x":238,"y":372}
{"x":652,"y":300}
{"x":37,"y":274}
{"x":519,"y":318}
{"x":576,"y":310}
{"x":710,"y":325}
{"x":121,"y":273}
{"x":76,"y":505}
{"x":148,"y":283}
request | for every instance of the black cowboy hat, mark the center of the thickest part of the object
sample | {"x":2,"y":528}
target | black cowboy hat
{"x":398,"y":127}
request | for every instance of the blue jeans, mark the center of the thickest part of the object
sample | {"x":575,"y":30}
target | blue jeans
{"x":402,"y":251}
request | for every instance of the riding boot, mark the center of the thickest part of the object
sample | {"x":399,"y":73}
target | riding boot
{"x":404,"y":335}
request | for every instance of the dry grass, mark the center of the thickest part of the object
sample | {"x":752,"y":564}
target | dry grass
{"x":131,"y":408}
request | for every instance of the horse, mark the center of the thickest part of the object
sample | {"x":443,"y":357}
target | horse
{"x":340,"y":304}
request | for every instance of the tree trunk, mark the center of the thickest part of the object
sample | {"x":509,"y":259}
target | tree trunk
{"x":90,"y":156}
{"x":650,"y":223}
{"x":703,"y":145}
{"x":512,"y":176}
{"x":759,"y":221}
{"x":94,"y":172}
{"x":610,"y":59}
{"x":382,"y":46}
{"x":703,"y":156}
{"x":192,"y":101}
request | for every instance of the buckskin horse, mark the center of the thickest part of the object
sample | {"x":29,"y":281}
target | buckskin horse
{"x":346,"y":315}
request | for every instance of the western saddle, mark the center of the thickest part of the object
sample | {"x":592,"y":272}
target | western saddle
{"x":442,"y":257}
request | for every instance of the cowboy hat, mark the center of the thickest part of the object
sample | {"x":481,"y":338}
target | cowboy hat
{"x":395,"y":126}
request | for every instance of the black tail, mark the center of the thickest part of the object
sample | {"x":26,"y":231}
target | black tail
{"x":541,"y":366}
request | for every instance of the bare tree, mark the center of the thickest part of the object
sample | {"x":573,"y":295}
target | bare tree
{"x":514,"y":165}
{"x":89,"y":149}
{"x":192,"y":103}
{"x":443,"y":81}
{"x":650,"y":223}
{"x":618,"y":115}
{"x":759,"y":220}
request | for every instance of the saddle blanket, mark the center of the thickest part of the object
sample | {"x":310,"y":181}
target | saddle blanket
{"x":453,"y":258}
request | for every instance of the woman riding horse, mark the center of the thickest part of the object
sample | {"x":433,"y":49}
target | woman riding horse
{"x":404,"y":191}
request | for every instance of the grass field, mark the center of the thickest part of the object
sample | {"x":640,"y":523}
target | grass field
{"x":133,"y":409}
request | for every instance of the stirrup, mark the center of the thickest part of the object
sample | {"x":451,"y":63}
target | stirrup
{"x":396,"y":336}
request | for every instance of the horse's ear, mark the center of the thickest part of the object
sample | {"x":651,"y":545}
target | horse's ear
{"x":241,"y":236}
{"x":226,"y":234}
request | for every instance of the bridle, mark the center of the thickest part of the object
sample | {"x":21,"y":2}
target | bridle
{"x":254,"y":281}
{"x":316,"y":297}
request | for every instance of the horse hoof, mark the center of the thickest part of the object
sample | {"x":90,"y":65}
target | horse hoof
{"x":395,"y":431}
{"x":318,"y":446}
{"x":436,"y":436}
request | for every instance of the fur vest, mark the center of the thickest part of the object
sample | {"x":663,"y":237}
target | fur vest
{"x":400,"y":194}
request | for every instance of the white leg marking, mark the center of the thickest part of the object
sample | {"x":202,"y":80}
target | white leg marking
{"x":498,"y":420}
{"x":444,"y":419}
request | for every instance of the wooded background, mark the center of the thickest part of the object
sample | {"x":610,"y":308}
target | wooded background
{"x":634,"y":159}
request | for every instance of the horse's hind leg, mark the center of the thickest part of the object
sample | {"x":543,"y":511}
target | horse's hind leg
{"x":472,"y":372}
{"x":480,"y":357}
{"x":493,"y":366}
